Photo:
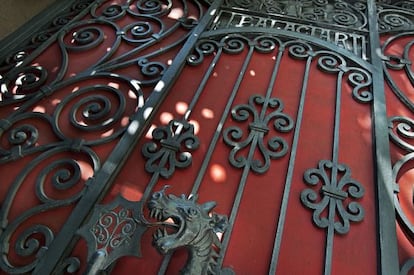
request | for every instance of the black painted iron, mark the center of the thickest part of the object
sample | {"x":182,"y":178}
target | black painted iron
{"x":334,"y":34}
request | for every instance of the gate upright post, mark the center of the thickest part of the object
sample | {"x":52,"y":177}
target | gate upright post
{"x":387,"y":238}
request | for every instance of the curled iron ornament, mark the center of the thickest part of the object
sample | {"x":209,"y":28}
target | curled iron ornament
{"x":86,"y":38}
{"x":23,"y":84}
{"x":361,"y":81}
{"x":330,"y":62}
{"x":267,"y":43}
{"x":392,"y":19}
{"x":276,"y":146}
{"x":154,"y":7}
{"x":25,"y":135}
{"x":13,"y":59}
{"x":234,"y":44}
{"x":399,"y":61}
{"x":151,"y":70}
{"x":170,"y":148}
{"x":401,"y":130}
{"x":400,"y":168}
{"x":337,"y":190}
{"x":92,"y":109}
{"x":110,"y":12}
{"x":33,"y":240}
{"x":203,"y":48}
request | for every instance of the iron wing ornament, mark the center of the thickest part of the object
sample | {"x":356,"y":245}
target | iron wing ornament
{"x":113,"y":231}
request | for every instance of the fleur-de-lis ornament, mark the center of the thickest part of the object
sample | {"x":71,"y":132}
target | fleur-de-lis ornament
{"x":170,"y":148}
{"x":336,"y":194}
{"x":274,"y":148}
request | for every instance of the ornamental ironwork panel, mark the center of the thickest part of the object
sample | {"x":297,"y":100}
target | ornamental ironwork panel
{"x":69,"y":97}
{"x":262,"y":139}
{"x":396,"y":24}
{"x":261,"y":108}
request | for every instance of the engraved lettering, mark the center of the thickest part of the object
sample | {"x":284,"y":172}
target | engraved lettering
{"x":341,"y":39}
{"x":325,"y":35}
{"x":261,"y":23}
{"x":352,"y":42}
{"x":245,"y":21}
{"x":290,"y":27}
{"x":273,"y":23}
{"x":304,"y":29}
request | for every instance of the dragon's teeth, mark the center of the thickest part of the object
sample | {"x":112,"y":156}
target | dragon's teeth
{"x":159,"y":233}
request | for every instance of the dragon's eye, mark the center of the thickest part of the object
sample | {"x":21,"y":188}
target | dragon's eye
{"x":192,"y":211}
{"x":156,"y":195}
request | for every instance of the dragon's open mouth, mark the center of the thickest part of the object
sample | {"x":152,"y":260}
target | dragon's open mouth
{"x":170,"y":225}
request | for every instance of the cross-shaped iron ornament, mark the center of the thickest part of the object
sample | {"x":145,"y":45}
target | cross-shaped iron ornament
{"x":333,"y":203}
{"x":337,"y":189}
{"x":276,"y":146}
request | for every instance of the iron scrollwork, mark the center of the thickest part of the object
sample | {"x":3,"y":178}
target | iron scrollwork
{"x":57,"y":183}
{"x":96,"y":113}
{"x":400,"y":63}
{"x":395,"y":16}
{"x":401,"y":134}
{"x":37,"y":39}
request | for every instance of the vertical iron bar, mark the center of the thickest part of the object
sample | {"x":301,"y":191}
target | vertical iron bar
{"x":272,"y":81}
{"x":246,"y":170}
{"x":334,"y":176}
{"x":289,"y":175}
{"x":154,"y":179}
{"x":223,"y":118}
{"x":104,"y":178}
{"x":237,"y":201}
{"x":337,"y":121}
{"x":387,"y":236}
{"x":209,"y":153}
{"x":203,"y":83}
{"x":329,"y":236}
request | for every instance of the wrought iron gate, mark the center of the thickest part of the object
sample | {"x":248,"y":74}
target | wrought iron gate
{"x":287,"y":125}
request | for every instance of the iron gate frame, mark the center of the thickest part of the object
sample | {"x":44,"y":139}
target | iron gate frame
{"x":386,"y":239}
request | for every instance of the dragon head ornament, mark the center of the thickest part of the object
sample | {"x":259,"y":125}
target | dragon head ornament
{"x":185,"y":223}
